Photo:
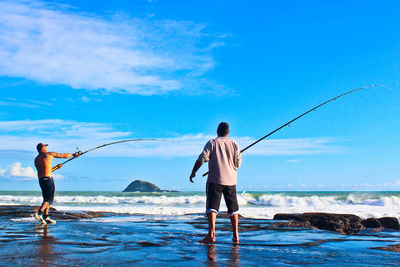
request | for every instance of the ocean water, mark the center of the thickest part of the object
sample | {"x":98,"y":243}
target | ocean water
{"x":163,"y":229}
{"x":256,"y":205}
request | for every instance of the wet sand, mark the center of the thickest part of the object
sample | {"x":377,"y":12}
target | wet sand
{"x":113,"y":239}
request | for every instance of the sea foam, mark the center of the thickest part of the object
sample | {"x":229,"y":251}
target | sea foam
{"x":252,"y":205}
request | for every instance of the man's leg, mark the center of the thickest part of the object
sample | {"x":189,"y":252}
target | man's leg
{"x":235,"y":228}
{"x":233,"y":208}
{"x":212,"y":218}
{"x":47,"y":186}
{"x":213,"y":192}
{"x":50,"y":189}
{"x":39,"y":214}
{"x":46,"y":211}
{"x":44,"y":208}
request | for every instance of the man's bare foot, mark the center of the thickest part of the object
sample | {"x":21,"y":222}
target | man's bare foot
{"x":207,"y":239}
{"x":235,"y":240}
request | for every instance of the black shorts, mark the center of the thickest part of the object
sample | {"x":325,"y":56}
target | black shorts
{"x":214,"y":192}
{"x":48,"y":188}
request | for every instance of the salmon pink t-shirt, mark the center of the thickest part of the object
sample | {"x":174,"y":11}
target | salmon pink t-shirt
{"x":223,"y":156}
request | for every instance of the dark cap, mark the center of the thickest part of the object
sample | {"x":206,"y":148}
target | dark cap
{"x":40,"y":145}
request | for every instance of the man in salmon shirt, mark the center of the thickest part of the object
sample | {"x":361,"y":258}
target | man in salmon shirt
{"x":223,"y":156}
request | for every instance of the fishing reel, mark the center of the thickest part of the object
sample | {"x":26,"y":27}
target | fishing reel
{"x":78,"y":152}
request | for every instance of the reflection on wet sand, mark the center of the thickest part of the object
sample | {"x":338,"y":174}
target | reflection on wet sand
{"x":45,"y":246}
{"x":211,"y":254}
{"x":233,"y":256}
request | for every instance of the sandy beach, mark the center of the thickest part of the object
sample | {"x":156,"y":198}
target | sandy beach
{"x":93,"y":238}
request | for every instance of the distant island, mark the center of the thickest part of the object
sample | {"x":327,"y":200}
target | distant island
{"x":143,"y":186}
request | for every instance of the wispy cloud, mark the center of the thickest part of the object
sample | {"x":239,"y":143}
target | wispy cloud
{"x":293,"y":160}
{"x":17,"y":172}
{"x":22,"y":103}
{"x":64,"y":136}
{"x":57,"y":45}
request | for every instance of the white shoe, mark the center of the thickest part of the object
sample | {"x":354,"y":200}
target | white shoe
{"x":39,"y":217}
{"x":50,"y":220}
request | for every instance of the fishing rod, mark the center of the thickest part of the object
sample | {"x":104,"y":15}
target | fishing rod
{"x":298,"y":117}
{"x":80,"y":153}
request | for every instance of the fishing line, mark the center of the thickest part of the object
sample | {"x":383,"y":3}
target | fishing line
{"x":390,"y":88}
{"x":303,"y":114}
{"x":79,"y":153}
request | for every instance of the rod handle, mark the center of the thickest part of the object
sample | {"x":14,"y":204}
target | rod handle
{"x":56,"y":167}
{"x":205,"y":174}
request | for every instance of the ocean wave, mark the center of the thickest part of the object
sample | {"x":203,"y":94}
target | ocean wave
{"x":270,"y":200}
{"x":252,"y":205}
{"x":288,"y":201}
{"x":160,"y":200}
{"x":381,"y":201}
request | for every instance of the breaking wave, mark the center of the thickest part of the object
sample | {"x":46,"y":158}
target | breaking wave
{"x":252,"y":204}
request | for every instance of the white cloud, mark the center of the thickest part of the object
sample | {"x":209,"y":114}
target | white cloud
{"x":292,"y":160}
{"x":22,"y":103}
{"x":57,"y":45}
{"x":57,"y":176}
{"x":64,"y":136}
{"x":16,"y":170}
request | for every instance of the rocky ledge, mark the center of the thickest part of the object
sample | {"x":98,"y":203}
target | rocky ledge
{"x":13,"y":211}
{"x":340,"y":223}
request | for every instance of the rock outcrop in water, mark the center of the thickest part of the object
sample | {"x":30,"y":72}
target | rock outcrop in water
{"x":142,"y":186}
{"x":341,"y":223}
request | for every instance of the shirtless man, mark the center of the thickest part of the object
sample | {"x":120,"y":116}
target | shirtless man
{"x":223,"y":156}
{"x":43,"y":163}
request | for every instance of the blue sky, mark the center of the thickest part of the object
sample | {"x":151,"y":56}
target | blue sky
{"x":84,"y":73}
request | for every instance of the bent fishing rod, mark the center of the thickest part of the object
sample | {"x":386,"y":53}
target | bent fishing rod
{"x":80,"y":153}
{"x":308,"y":111}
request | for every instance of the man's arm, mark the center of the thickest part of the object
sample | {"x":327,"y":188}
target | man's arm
{"x":196,"y":167}
{"x":238,"y":159}
{"x":203,"y":157}
{"x":238,"y":156}
{"x":61,"y":155}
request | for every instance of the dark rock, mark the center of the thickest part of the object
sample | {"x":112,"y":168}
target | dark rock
{"x":389,"y":222}
{"x":148,"y":244}
{"x":294,"y":224}
{"x":290,"y":217}
{"x":341,"y":223}
{"x":142,"y":186}
{"x":393,"y":248}
{"x":371,"y":223}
